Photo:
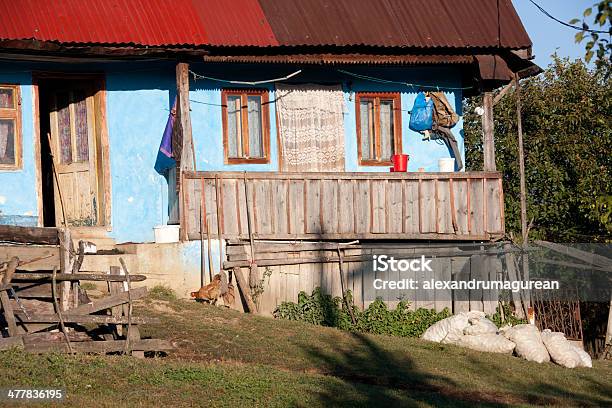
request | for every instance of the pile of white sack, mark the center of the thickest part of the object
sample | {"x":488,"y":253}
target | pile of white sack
{"x":473,"y":330}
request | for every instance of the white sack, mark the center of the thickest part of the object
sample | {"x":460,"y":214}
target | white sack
{"x":480,"y":325}
{"x":452,"y":326}
{"x":489,"y":343}
{"x":585,"y":358}
{"x":561,"y":351}
{"x":528,"y":342}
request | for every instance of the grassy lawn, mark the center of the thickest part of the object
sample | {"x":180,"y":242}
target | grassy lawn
{"x":228,"y":359}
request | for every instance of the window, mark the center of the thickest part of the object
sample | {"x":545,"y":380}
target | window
{"x":379,"y":127}
{"x":246,"y":126}
{"x":10,"y":127}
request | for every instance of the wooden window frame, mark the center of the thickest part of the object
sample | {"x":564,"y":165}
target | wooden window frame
{"x":265,"y":125}
{"x":15,"y":114}
{"x":397,"y":125}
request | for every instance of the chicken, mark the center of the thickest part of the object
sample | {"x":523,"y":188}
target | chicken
{"x":210,"y":292}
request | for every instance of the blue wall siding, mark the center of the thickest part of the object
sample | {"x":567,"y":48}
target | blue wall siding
{"x":18,"y":187}
{"x":138,"y":105}
{"x":139,"y":97}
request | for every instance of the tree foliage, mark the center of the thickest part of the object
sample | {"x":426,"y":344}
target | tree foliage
{"x":566,"y":115}
{"x":597,"y":43}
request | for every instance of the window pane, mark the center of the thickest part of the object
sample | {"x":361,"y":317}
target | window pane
{"x":7,"y":98}
{"x":82,"y":140}
{"x":63,"y":123}
{"x":234,"y":126}
{"x":255,"y":126}
{"x":366,"y":114}
{"x":386,"y":130}
{"x":7,"y":141}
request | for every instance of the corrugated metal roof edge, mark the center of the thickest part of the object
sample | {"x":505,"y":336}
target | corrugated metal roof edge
{"x":266,"y":47}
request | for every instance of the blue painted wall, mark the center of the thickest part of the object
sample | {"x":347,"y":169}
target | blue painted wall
{"x":139,"y":97}
{"x":18,"y":187}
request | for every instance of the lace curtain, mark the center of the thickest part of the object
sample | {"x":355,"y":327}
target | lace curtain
{"x":311,"y":127}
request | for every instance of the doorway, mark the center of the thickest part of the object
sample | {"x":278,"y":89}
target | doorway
{"x":72,"y":138}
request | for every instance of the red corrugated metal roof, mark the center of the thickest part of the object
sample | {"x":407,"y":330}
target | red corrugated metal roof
{"x":381,"y":23}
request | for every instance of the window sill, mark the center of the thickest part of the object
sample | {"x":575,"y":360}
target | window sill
{"x":375,"y":163}
{"x":262,"y":160}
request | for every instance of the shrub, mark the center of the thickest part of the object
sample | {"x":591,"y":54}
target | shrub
{"x":160,"y":292}
{"x":325,"y":310}
{"x":509,"y":317}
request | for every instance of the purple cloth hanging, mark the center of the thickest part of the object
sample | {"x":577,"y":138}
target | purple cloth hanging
{"x":165,"y":158}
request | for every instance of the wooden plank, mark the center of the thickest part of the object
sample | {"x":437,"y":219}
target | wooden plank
{"x":487,"y":128}
{"x":411,"y":194}
{"x":428,"y":206}
{"x":362,"y":207}
{"x":477,"y":268}
{"x":98,"y":277}
{"x":442,"y":271}
{"x":476,"y":207}
{"x":84,"y":319}
{"x":461,"y":266}
{"x":231,"y":219}
{"x":109,"y":346}
{"x":379,"y":206}
{"x":346,"y":216}
{"x":494,"y":213}
{"x":395,"y":206}
{"x":444,"y":216}
{"x":280,"y":205}
{"x":329,"y":209}
{"x":313,"y":206}
{"x":243,"y":286}
{"x":29,"y":235}
{"x":296,"y":203}
{"x":7,"y":310}
{"x":461,"y":206}
{"x":11,"y":342}
{"x":266,"y":175}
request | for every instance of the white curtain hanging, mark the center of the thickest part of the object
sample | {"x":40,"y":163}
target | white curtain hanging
{"x":310,"y":127}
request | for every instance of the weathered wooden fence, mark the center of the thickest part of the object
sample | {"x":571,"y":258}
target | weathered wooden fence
{"x":285,"y":269}
{"x":444,"y":206}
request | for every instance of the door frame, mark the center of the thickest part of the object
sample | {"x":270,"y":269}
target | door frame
{"x":102,"y":151}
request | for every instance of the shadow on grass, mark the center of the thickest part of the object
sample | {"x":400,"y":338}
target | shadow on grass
{"x":382,"y":379}
{"x":595,"y":393}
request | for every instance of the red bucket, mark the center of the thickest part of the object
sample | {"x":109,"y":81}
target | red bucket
{"x":400,"y":162}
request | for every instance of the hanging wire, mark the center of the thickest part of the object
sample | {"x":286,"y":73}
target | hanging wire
{"x":412,"y":85}
{"x":266,"y":81}
{"x":547,"y":14}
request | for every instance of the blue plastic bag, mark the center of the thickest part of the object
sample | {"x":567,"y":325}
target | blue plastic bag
{"x":421,"y":117}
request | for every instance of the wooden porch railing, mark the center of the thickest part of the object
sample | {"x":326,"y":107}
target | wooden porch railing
{"x":441,"y":206}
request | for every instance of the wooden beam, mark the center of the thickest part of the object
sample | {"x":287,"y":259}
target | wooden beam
{"x":83,"y":319}
{"x":503,"y":92}
{"x":109,"y":346}
{"x":11,"y":342}
{"x":29,"y":235}
{"x":98,"y":277}
{"x":523,"y":192}
{"x":243,"y":285}
{"x":488,"y":145}
{"x":184,"y":116}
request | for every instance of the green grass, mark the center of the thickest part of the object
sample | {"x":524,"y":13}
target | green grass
{"x":228,"y":359}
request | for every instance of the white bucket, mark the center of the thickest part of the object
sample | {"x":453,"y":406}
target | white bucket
{"x":166,"y":233}
{"x":446,"y":165}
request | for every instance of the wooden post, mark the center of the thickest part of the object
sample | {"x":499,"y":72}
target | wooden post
{"x":184,"y":116}
{"x":4,"y":299}
{"x":488,"y":145}
{"x":66,"y":249}
{"x":244,"y":289}
{"x":523,"y":192}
